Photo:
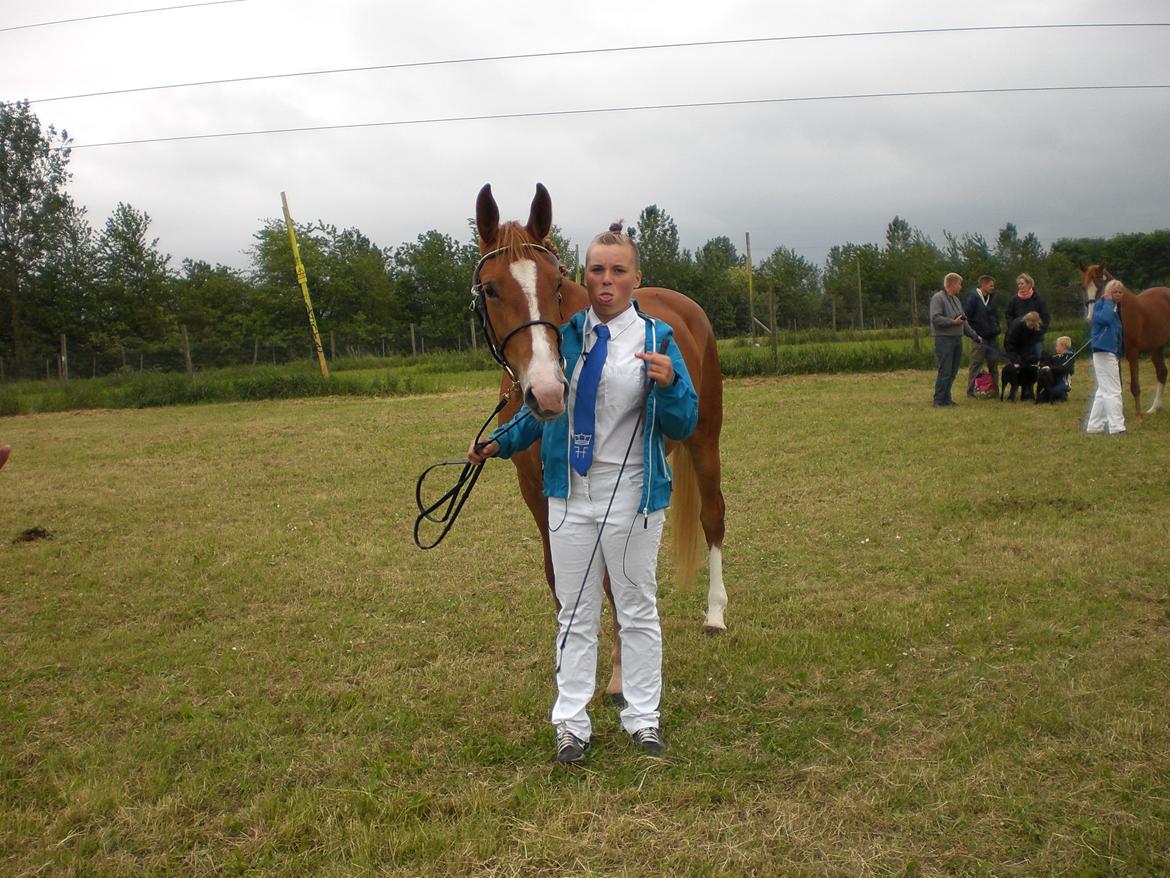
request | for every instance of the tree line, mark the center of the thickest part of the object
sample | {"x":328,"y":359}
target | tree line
{"x":120,"y":303}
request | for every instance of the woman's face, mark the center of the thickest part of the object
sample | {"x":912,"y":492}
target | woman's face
{"x":1022,"y":286}
{"x":610,"y":278}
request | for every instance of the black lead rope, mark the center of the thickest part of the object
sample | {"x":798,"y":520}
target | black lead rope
{"x":458,"y":494}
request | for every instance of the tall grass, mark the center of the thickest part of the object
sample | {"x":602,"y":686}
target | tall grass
{"x":227,"y":657}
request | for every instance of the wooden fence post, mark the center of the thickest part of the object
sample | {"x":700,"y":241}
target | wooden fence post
{"x":187,"y":353}
{"x":63,"y":361}
{"x":914,"y":312}
{"x":413,"y":346}
{"x":772,"y":321}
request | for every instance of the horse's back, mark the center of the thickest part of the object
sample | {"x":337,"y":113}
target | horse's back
{"x":1152,"y":326}
{"x":693,"y":333}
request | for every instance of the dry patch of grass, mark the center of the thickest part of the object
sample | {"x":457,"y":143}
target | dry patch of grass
{"x":946,"y":653}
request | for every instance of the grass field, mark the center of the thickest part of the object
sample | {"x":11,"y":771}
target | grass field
{"x":947,"y":650}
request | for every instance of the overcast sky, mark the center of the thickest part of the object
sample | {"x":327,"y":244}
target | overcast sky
{"x":804,"y":175}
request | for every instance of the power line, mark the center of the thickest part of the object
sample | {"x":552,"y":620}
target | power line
{"x":598,"y":51}
{"x":117,"y":14}
{"x":582,"y":112}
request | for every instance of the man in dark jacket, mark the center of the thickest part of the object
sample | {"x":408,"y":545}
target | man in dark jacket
{"x":983,"y":315}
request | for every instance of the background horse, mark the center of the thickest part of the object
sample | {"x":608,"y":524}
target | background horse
{"x":1145,"y":328}
{"x":524,"y":293}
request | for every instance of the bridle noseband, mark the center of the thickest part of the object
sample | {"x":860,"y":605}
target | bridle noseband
{"x":479,"y":306}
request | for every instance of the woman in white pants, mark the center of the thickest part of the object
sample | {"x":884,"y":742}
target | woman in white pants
{"x":1106,"y":413}
{"x":608,"y":484}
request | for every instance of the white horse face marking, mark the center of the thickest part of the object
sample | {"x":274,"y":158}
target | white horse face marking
{"x":542,"y":381}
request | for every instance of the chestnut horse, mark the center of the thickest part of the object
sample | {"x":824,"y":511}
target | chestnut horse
{"x":525,"y":298}
{"x":1145,"y":328}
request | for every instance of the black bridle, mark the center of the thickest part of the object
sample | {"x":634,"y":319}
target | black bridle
{"x":445,"y":511}
{"x":479,"y":296}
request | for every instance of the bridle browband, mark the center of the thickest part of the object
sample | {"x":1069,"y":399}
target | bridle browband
{"x":497,"y":346}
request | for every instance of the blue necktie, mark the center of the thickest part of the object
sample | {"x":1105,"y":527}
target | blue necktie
{"x":583,"y":409}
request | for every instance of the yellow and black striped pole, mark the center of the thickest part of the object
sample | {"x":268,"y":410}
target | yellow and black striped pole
{"x":303,"y":280}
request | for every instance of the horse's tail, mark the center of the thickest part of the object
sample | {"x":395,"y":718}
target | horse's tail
{"x":686,"y":530}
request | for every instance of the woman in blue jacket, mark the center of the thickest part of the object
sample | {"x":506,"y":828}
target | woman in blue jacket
{"x":1107,"y":413}
{"x":608,"y":484}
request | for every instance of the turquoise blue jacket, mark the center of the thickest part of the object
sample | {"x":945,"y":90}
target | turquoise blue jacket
{"x":1105,"y":328}
{"x":670,"y":411}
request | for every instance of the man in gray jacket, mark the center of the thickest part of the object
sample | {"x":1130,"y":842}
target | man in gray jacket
{"x":948,"y":324}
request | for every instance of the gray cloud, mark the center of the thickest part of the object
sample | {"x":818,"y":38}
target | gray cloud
{"x":802,"y":175}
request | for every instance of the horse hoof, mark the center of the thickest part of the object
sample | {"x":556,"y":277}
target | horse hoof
{"x":616,"y":699}
{"x":714,"y":630}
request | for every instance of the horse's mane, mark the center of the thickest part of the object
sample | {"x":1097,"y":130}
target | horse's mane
{"x":511,"y":238}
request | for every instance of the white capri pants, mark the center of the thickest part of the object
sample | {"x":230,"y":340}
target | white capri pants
{"x":1106,"y":413}
{"x":629,"y":551}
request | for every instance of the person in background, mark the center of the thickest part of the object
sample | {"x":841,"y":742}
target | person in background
{"x":983,"y":315}
{"x":1023,"y":337}
{"x":1027,"y":299}
{"x":1054,"y":380}
{"x":608,"y":485}
{"x":1106,"y":414}
{"x":948,"y":324}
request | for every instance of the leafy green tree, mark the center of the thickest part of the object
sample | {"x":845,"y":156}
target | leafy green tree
{"x":276,"y":315}
{"x":432,"y":276}
{"x":663,"y":264}
{"x":135,"y":285}
{"x":796,"y":284}
{"x":910,"y":259}
{"x":847,"y":266}
{"x":213,"y":303}
{"x":711,"y":285}
{"x":34,"y":209}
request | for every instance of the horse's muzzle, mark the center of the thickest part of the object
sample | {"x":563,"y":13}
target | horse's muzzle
{"x":547,"y":402}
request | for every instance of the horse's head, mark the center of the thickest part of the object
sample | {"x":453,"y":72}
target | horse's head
{"x":1093,"y":280}
{"x":517,"y":292}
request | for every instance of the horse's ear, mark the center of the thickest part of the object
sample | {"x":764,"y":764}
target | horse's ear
{"x":1081,"y":265}
{"x":1105,"y":269}
{"x":540,"y":215}
{"x":487,"y":215}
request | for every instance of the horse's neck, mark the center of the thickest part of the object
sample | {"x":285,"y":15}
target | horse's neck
{"x":573,"y":299}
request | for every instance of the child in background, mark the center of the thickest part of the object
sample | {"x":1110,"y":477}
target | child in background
{"x":1054,"y":380}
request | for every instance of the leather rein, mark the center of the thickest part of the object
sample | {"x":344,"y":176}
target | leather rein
{"x":445,"y":511}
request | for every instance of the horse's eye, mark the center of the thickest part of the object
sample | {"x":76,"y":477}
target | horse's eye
{"x":489,"y":290}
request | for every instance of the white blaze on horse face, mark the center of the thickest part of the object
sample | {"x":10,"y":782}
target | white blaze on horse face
{"x":1090,"y":297}
{"x":542,"y":375}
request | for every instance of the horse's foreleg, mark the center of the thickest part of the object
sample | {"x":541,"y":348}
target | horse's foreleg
{"x":528,"y":474}
{"x":1135,"y":386}
{"x":1158,"y":358}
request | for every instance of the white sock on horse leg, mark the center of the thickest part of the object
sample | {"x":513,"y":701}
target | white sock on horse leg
{"x":1156,"y":405}
{"x":716,"y":593}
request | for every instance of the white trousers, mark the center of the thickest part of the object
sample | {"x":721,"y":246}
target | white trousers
{"x":629,"y":551}
{"x":1106,"y":413}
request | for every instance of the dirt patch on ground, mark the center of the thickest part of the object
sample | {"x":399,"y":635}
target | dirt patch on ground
{"x":32,"y":535}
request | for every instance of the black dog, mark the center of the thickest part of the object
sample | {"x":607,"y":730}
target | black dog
{"x":1021,"y":376}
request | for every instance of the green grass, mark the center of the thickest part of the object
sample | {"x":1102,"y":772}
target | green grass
{"x":946,"y":655}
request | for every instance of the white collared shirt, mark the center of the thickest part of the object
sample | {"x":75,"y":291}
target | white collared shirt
{"x":620,"y":393}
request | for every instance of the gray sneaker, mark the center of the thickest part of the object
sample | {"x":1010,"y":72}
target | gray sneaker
{"x":571,"y":750}
{"x":649,"y":740}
